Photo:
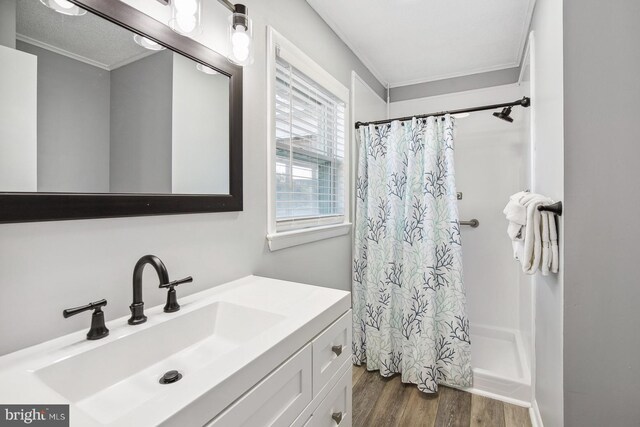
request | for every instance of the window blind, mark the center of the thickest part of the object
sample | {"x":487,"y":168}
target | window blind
{"x":310,"y":142}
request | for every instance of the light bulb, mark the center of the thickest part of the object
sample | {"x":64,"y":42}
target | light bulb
{"x":64,"y":7}
{"x":240,"y":41}
{"x":205,"y":69}
{"x":150,"y":42}
{"x":147,"y":43}
{"x":241,"y":53}
{"x":187,"y":7}
{"x":186,"y":23}
{"x":64,"y":4}
{"x":240,"y":38}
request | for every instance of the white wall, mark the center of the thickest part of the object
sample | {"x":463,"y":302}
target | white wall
{"x":200,"y":129}
{"x":141,"y":113}
{"x":18,"y":121}
{"x":525,"y":283}
{"x":46,"y":267}
{"x":491,"y":164}
{"x":367,"y":105}
{"x":548,"y":142}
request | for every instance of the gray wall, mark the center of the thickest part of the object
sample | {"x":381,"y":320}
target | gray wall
{"x":54,"y":265}
{"x":73,"y":123}
{"x":8,"y":23}
{"x":455,"y":84}
{"x":141,"y":96}
{"x":602,"y":293}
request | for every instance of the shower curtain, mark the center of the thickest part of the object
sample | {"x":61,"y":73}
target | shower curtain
{"x":409,"y":313}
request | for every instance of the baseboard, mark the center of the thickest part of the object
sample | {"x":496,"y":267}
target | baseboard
{"x":495,"y":396}
{"x":534,"y":414}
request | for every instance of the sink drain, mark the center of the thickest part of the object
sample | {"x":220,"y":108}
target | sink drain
{"x":170,"y":377}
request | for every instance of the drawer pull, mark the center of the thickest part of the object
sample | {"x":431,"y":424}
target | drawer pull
{"x":337,"y":417}
{"x":337,"y":349}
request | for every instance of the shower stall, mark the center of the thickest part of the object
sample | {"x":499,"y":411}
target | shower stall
{"x":493,"y":160}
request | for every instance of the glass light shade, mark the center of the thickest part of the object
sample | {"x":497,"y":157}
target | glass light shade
{"x":63,"y":6}
{"x":147,"y":43}
{"x":240,"y":39}
{"x":205,"y":69}
{"x":185,"y":17}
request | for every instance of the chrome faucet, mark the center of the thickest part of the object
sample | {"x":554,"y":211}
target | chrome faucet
{"x":137,"y":306}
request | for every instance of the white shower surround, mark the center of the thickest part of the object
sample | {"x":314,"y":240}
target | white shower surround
{"x":499,"y":363}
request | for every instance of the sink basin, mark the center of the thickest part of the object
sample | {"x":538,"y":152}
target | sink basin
{"x":111,"y":380}
{"x":223,"y":341}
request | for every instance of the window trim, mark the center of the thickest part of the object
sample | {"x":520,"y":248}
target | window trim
{"x":296,"y":57}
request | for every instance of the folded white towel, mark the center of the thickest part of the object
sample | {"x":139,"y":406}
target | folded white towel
{"x":518,"y":249}
{"x":516,"y":214}
{"x":546,"y":250}
{"x":515,"y":211}
{"x":532,"y":256}
{"x":514,"y":231}
{"x":534,"y":237}
{"x":553,"y":236}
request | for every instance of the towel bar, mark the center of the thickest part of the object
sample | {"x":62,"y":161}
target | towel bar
{"x":556,"y":208}
{"x":473,"y":223}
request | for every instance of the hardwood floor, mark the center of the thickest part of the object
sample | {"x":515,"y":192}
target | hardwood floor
{"x":387,"y":402}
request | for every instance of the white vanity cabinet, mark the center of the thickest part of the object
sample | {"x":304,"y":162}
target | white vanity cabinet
{"x":310,"y":388}
{"x":252,"y":352}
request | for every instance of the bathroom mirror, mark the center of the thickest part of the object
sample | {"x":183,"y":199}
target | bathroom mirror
{"x":110,"y":113}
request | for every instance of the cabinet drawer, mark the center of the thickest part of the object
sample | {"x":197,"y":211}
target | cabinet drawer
{"x":330,"y":351}
{"x":335,"y":409}
{"x":277,"y":400}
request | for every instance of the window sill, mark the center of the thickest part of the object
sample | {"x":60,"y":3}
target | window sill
{"x":288,"y":239}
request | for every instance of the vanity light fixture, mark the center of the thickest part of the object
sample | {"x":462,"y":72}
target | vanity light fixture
{"x":185,"y":20}
{"x":63,"y":6}
{"x":147,"y":43}
{"x":240,"y":36}
{"x":185,"y":17}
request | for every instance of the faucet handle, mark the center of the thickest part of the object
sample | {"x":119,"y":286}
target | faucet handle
{"x":172,"y":299}
{"x":91,"y":306}
{"x":98,"y":329}
{"x":170,"y":285}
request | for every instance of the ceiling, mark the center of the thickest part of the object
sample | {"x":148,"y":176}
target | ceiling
{"x":87,"y":38}
{"x":406,"y":42}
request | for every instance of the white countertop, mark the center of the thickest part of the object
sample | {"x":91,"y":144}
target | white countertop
{"x":299,"y":311}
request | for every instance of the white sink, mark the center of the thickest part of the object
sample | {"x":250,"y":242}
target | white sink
{"x":223,"y":341}
{"x":110,"y":381}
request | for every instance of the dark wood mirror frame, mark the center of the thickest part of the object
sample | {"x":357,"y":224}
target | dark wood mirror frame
{"x":29,"y":207}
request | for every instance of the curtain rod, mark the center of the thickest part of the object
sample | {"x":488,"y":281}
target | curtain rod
{"x":524,"y":102}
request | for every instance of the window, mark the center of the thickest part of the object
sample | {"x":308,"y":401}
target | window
{"x":308,"y":150}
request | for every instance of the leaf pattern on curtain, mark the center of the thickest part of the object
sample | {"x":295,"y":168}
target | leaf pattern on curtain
{"x":409,"y":305}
